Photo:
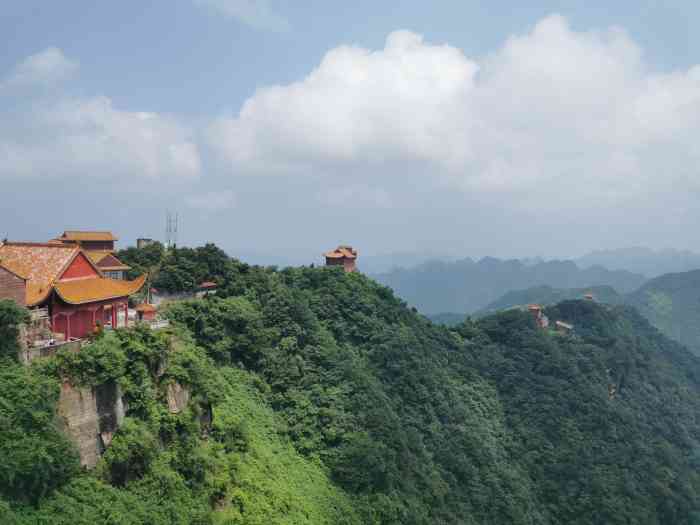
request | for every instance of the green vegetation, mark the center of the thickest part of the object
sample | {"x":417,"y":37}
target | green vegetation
{"x":672,"y":304}
{"x":335,"y":403}
{"x":178,"y":269}
{"x":11,"y":316}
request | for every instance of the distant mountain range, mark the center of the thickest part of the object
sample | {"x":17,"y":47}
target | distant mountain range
{"x":645,"y":261}
{"x":671,"y":303}
{"x":466,"y":286}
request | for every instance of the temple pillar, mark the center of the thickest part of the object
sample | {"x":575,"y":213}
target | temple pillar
{"x":114,"y":315}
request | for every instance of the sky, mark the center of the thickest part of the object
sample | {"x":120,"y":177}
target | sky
{"x":281,"y":129}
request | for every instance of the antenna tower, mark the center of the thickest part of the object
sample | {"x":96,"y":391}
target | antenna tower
{"x":171,"y":227}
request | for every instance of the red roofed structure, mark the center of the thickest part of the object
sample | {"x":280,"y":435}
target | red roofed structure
{"x":146,"y":312}
{"x":64,"y":280}
{"x":345,"y":256}
{"x":99,"y":246}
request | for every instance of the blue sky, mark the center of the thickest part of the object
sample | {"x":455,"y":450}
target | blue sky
{"x":465,"y":128}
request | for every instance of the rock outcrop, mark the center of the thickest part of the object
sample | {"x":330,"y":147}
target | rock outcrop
{"x":90,"y":417}
{"x":178,"y":397}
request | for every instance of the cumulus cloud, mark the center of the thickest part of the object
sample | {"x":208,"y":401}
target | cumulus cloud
{"x":552,"y":118}
{"x":45,"y":68}
{"x":255,"y":13}
{"x":58,"y":136}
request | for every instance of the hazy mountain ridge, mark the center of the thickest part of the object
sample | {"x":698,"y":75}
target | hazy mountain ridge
{"x":467,"y":286}
{"x":672,"y":303}
{"x":648,"y":262}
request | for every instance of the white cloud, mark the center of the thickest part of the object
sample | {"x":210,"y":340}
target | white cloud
{"x":255,"y":13}
{"x":57,"y":136}
{"x":212,"y":201}
{"x":45,"y":68}
{"x":554,"y":118}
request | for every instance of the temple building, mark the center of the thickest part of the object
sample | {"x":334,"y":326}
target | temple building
{"x":538,"y":313}
{"x":146,"y":312}
{"x":345,"y":256}
{"x":99,"y":246}
{"x":62,"y":280}
{"x":89,"y":240}
{"x":108,"y":264}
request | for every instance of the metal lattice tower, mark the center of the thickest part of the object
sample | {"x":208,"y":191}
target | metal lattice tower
{"x":171,"y":227}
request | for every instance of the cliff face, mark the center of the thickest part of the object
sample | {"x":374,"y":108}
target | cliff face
{"x":90,"y":417}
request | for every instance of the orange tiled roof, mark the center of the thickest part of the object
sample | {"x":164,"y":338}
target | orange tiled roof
{"x":208,"y":284}
{"x":39,"y":263}
{"x":97,"y":289}
{"x":145,"y":307}
{"x":74,"y":235}
{"x":17,"y":274}
{"x":342,"y":252}
{"x":98,"y":257}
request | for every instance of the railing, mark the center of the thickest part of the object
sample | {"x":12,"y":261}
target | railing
{"x":39,"y":314}
{"x":160,"y":323}
{"x":27,"y":355}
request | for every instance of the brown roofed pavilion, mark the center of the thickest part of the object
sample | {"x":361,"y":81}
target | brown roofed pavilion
{"x":345,"y":256}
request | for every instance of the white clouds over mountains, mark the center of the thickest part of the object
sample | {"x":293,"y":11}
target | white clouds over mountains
{"x":553,"y":118}
{"x":552,"y":112}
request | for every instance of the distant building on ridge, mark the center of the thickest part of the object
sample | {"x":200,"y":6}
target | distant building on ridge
{"x":345,"y":256}
{"x":541,"y":319}
{"x":142,"y":242}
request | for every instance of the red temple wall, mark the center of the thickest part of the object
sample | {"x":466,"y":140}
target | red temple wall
{"x":79,"y":318}
{"x":80,"y":267}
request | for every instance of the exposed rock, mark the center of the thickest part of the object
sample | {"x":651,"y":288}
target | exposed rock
{"x":78,"y":408}
{"x":90,"y":417}
{"x":110,"y":408}
{"x":178,"y":397}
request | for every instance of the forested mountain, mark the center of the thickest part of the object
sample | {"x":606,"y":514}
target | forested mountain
{"x":466,"y":286}
{"x":546,"y":295}
{"x":650,"y":263}
{"x":672,"y":304}
{"x":335,"y":403}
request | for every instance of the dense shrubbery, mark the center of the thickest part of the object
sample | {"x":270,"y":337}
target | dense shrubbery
{"x":178,"y":269}
{"x":334,"y":403}
{"x":11,"y":317}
